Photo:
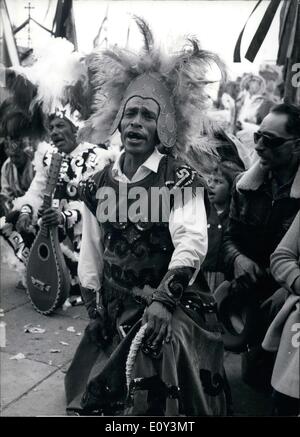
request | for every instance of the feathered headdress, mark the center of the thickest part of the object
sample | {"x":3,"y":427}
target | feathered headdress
{"x":177,"y":82}
{"x":57,"y":83}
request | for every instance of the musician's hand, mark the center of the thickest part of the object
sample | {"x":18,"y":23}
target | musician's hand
{"x":24,"y":223}
{"x":51,"y":217}
{"x":159,"y":324}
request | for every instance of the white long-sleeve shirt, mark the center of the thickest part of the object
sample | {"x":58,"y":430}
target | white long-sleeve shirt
{"x":188,"y":233}
{"x":79,"y":163}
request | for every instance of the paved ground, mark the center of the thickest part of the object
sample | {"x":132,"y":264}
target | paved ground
{"x":33,"y":385}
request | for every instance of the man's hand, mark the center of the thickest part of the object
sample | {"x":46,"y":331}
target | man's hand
{"x":51,"y":217}
{"x":246,"y":270}
{"x":159,"y":324}
{"x":24,"y":223}
{"x":98,"y":328}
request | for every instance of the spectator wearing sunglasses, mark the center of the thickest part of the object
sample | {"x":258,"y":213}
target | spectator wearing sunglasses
{"x":265,"y":200}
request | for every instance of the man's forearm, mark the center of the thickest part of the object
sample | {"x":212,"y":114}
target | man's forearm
{"x":188,"y":229}
{"x":90,"y":265}
{"x":231,"y":252}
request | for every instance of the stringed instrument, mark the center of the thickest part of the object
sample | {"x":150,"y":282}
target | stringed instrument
{"x":47,"y":276}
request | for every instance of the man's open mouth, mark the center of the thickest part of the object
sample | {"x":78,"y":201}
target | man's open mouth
{"x":58,"y":141}
{"x":135,"y":136}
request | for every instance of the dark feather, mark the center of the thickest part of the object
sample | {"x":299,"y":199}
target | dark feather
{"x":22,"y":89}
{"x":195,"y":44}
{"x":187,"y":57}
{"x":22,"y":95}
{"x":146,"y":32}
{"x":79,"y":97}
{"x":208,"y":57}
{"x":122,"y":57}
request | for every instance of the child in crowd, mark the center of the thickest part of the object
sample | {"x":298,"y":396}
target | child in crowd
{"x":219,"y":184}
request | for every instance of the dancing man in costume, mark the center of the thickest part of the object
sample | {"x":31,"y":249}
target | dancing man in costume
{"x":153,"y":345}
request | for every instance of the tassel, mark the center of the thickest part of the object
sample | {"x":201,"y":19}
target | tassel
{"x":135,"y":345}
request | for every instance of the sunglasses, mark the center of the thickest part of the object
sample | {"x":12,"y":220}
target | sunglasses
{"x":270,"y":142}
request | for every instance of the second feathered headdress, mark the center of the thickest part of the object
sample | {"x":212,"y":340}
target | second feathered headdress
{"x":56,"y":84}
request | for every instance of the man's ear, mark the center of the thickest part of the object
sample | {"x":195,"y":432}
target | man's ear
{"x":74,"y":128}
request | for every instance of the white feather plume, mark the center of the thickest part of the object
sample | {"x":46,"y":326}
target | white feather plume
{"x":57,"y":68}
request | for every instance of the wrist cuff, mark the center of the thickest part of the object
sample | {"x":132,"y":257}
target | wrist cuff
{"x":172,"y":286}
{"x":89,"y":300}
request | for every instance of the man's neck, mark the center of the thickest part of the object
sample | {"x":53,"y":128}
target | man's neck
{"x":76,"y":144}
{"x":131,"y":163}
{"x":284,"y":175}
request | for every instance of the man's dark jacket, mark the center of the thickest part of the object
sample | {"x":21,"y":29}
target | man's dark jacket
{"x":258,"y":220}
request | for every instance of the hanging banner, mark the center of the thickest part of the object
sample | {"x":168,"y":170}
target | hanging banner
{"x":9,"y":52}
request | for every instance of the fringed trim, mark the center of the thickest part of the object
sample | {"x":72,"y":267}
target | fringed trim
{"x":135,"y":345}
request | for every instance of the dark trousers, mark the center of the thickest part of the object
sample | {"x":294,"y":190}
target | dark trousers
{"x":257,"y":364}
{"x":285,"y":405}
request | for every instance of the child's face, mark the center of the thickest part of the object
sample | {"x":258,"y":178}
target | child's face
{"x":219,"y":189}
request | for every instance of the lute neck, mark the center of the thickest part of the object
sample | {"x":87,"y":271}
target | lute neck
{"x":51,"y":185}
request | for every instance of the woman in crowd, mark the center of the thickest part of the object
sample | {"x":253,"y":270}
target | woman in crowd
{"x":283,"y":333}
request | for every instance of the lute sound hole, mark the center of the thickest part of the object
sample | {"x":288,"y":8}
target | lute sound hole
{"x":43,"y":252}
